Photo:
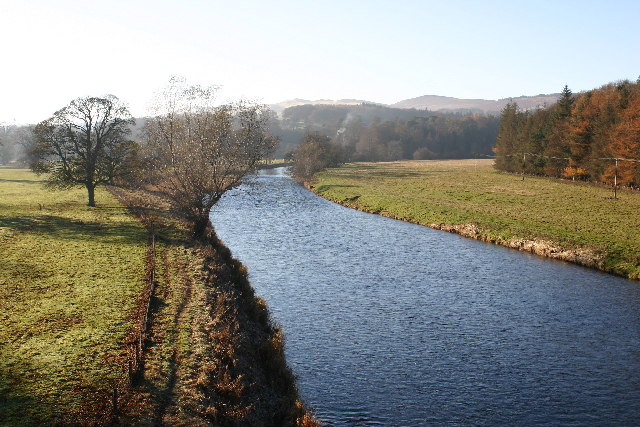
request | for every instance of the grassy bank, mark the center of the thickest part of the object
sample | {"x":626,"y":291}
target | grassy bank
{"x":566,"y":220}
{"x":72,"y":292}
{"x":213,"y":356}
{"x":69,"y":279}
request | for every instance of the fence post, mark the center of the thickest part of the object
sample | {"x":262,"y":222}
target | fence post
{"x":615,"y":182}
{"x":114,"y":401}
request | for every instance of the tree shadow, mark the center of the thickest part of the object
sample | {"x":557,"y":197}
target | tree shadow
{"x":14,"y":396}
{"x":396,"y":174}
{"x":77,"y":230}
{"x":326,"y":187}
{"x":373,"y":171}
{"x":23,"y":181}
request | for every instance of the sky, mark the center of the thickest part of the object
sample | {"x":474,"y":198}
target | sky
{"x":271,"y":51}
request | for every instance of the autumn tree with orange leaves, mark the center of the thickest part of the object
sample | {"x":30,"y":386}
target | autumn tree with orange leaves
{"x":579,"y":137}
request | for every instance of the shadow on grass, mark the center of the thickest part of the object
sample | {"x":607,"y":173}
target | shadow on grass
{"x":373,"y":172}
{"x":65,"y":228}
{"x":396,"y":174}
{"x":22,"y":181}
{"x":327,"y":187}
{"x":15,"y":398}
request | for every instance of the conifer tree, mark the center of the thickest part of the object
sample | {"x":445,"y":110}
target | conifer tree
{"x":507,"y":139}
{"x":565,"y":103}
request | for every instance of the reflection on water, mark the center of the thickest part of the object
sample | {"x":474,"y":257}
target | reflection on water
{"x":390,"y":323}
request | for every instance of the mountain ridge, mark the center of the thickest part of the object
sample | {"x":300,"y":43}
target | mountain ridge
{"x":447,"y":103}
{"x":437,"y":103}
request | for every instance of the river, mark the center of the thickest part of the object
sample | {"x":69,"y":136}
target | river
{"x":391,"y":323}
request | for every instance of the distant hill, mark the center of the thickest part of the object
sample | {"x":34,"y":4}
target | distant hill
{"x":449,"y":104}
{"x":436,"y":103}
{"x":281,"y":106}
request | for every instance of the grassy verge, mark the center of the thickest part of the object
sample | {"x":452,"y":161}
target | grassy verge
{"x":69,"y":280}
{"x":71,"y":283}
{"x":582,"y":221}
{"x":213,"y":356}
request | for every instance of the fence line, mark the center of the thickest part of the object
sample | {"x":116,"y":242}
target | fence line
{"x":621,"y":159}
{"x":615,"y":159}
{"x":136,"y":343}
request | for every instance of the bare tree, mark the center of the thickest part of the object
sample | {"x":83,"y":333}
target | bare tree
{"x":315,"y":153}
{"x":199,"y":150}
{"x":84,"y":143}
{"x":24,"y":141}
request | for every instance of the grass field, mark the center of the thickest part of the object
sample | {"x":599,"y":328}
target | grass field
{"x":503,"y":206}
{"x":69,"y":278}
{"x":71,"y":286}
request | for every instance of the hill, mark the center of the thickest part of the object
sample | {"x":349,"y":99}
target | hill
{"x":446,"y":103}
{"x":281,"y":106}
{"x":435,"y":103}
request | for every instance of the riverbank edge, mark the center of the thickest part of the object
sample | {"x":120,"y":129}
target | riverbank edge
{"x":256,"y":363}
{"x":583,"y":256}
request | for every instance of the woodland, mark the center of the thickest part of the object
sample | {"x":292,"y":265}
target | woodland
{"x":594,"y":136}
{"x":370,"y":132}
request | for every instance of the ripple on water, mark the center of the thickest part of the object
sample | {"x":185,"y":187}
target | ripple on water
{"x":389,"y":323}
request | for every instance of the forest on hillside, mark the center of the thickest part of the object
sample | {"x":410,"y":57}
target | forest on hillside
{"x":370,"y":132}
{"x":594,"y":135}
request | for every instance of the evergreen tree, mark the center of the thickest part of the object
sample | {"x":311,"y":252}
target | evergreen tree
{"x":507,"y":139}
{"x":565,"y":103}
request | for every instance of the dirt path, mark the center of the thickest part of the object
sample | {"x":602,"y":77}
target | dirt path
{"x":169,"y":395}
{"x":212,"y":355}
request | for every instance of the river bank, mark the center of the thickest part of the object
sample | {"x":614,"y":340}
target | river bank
{"x":392,"y":323}
{"x":581,"y":224}
{"x":213,"y":355}
{"x":113,"y":315}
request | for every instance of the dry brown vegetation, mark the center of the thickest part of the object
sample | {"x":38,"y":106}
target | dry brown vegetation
{"x":212,"y":355}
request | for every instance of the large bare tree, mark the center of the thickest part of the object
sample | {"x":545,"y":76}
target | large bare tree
{"x":84,"y":143}
{"x":199,"y":150}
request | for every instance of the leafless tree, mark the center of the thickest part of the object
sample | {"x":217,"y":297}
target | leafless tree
{"x":199,"y":150}
{"x":315,"y":153}
{"x":83,"y":143}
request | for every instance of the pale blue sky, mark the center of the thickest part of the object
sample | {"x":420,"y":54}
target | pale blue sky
{"x":269,"y":51}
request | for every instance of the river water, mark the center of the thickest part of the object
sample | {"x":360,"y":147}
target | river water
{"x":390,"y":323}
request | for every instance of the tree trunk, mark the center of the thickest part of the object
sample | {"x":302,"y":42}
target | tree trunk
{"x":200,"y":227}
{"x":91,"y":190}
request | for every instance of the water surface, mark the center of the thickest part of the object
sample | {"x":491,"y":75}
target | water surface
{"x":391,"y":323}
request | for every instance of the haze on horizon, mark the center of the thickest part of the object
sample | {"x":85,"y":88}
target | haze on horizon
{"x":381,"y":51}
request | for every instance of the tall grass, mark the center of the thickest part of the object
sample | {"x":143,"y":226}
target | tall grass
{"x":503,"y":206}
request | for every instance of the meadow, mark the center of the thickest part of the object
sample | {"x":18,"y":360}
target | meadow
{"x":504,"y":207}
{"x":72,"y":284}
{"x":69,"y":279}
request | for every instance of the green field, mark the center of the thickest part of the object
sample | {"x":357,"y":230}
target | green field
{"x":503,"y":206}
{"x":69,"y":278}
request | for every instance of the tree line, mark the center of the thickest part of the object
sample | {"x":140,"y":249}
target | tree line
{"x":594,"y":135}
{"x":377,"y":133}
{"x":420,"y":138}
{"x":15,"y":143}
{"x":191,"y":151}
